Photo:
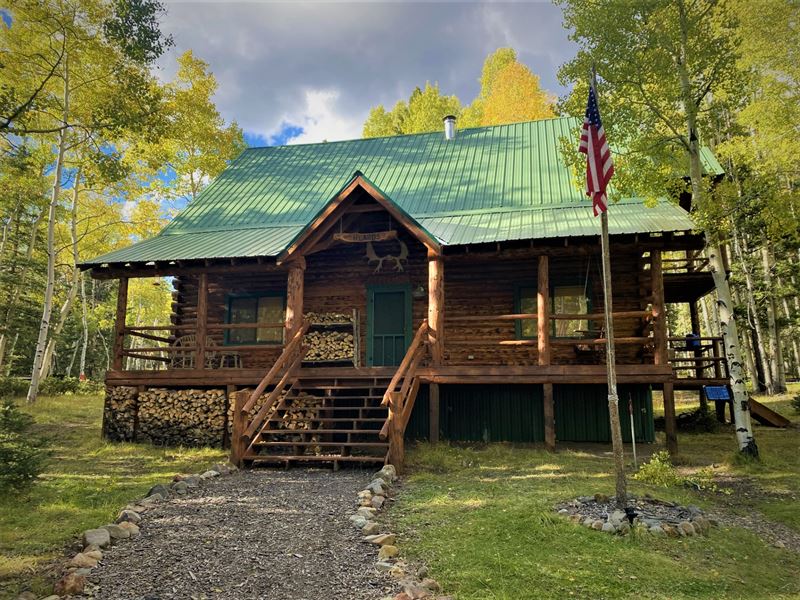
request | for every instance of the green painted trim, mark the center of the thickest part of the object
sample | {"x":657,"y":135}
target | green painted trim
{"x":389,"y":287}
{"x":229,"y":297}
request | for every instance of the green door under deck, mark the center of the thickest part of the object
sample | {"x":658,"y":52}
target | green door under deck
{"x":388,"y":324}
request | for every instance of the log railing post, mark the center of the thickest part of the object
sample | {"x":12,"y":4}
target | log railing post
{"x":659,"y":310}
{"x":396,"y":445}
{"x":543,"y":346}
{"x":119,"y":325}
{"x":202,"y":320}
{"x":294,"y":296}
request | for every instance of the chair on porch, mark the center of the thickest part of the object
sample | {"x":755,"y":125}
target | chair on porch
{"x":183,"y":359}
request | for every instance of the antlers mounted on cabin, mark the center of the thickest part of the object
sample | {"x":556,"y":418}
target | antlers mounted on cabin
{"x":398,"y":260}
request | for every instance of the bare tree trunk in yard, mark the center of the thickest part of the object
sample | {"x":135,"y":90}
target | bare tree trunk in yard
{"x":47,"y":309}
{"x":795,"y":348}
{"x":752,"y":306}
{"x":748,"y":348}
{"x":777,"y":371}
{"x":66,"y":308}
{"x":85,"y":325}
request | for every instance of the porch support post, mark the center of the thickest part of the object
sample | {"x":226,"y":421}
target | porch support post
{"x":435,"y":335}
{"x":659,"y":310}
{"x":294,"y":296}
{"x":543,"y":311}
{"x":202,"y":320}
{"x":433,"y":417}
{"x":119,"y":325}
{"x":436,"y":307}
{"x":669,"y":419}
{"x":543,"y":343}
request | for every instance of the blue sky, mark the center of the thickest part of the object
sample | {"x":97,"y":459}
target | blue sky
{"x":299,"y":72}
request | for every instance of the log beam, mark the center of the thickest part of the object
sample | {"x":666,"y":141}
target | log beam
{"x":119,"y":325}
{"x":294,"y":296}
{"x":436,"y":307}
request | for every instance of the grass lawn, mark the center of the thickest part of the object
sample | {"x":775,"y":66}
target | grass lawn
{"x":482,"y":519}
{"x":86,"y":482}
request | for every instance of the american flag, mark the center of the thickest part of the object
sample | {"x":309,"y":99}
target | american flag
{"x":599,"y":166}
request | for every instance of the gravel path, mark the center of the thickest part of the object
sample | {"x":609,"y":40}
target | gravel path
{"x":256,"y":534}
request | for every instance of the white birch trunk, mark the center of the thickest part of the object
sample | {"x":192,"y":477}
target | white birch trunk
{"x":85,"y":326}
{"x":777,"y":371}
{"x":66,"y":307}
{"x":752,"y":309}
{"x":47,"y":309}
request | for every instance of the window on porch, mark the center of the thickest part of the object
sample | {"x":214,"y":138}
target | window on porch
{"x":564,"y":300}
{"x":265,"y":308}
{"x":570,"y":300}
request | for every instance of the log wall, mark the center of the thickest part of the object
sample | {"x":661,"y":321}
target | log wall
{"x":337,"y":278}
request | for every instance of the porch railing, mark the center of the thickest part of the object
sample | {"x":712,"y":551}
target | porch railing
{"x":698,"y":357}
{"x":401,"y":394}
{"x":282,"y":376}
{"x":591,"y":337}
{"x":163,"y":345}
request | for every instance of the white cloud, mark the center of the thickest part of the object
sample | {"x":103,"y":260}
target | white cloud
{"x":321,"y":66}
{"x":321,"y":119}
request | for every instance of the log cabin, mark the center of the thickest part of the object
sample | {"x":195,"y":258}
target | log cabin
{"x":333,"y":300}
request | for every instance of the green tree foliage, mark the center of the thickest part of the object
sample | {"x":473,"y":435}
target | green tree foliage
{"x":509,"y":93}
{"x":196,"y":143}
{"x":423,"y":112}
{"x":22,"y":453}
{"x":87,"y":139}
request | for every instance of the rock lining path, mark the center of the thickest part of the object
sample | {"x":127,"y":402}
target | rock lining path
{"x":256,"y":534}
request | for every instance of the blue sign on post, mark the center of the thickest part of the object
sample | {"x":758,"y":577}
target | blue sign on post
{"x":716,"y":392}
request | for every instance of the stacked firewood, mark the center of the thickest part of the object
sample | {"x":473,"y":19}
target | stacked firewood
{"x":329,"y":345}
{"x":119,"y":413}
{"x":185,"y":417}
{"x":328,"y":318}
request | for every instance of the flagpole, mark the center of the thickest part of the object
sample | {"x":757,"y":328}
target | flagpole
{"x":611,"y":362}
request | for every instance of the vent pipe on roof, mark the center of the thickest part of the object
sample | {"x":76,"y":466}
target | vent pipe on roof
{"x":450,"y":127}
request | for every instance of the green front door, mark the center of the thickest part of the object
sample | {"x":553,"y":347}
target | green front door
{"x":388,"y":324}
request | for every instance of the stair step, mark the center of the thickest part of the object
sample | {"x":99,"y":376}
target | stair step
{"x":373,"y":407}
{"x":356,"y":397}
{"x":256,"y":458}
{"x":333,"y":420}
{"x":337,"y":444}
{"x":311,"y":431}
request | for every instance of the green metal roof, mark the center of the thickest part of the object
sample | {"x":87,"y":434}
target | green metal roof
{"x":489,"y":184}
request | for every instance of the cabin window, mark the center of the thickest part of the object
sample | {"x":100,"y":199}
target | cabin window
{"x":267,"y":308}
{"x":570,"y":300}
{"x":526,"y":304}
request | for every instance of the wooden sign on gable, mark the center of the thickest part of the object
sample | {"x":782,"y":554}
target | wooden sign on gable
{"x":360,"y":238}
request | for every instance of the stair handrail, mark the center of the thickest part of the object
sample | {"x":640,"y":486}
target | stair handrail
{"x":401,"y":402}
{"x":405,"y":364}
{"x":288,"y":362}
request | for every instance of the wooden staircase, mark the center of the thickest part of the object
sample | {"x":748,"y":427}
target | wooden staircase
{"x":333,"y":417}
{"x":330,"y":421}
